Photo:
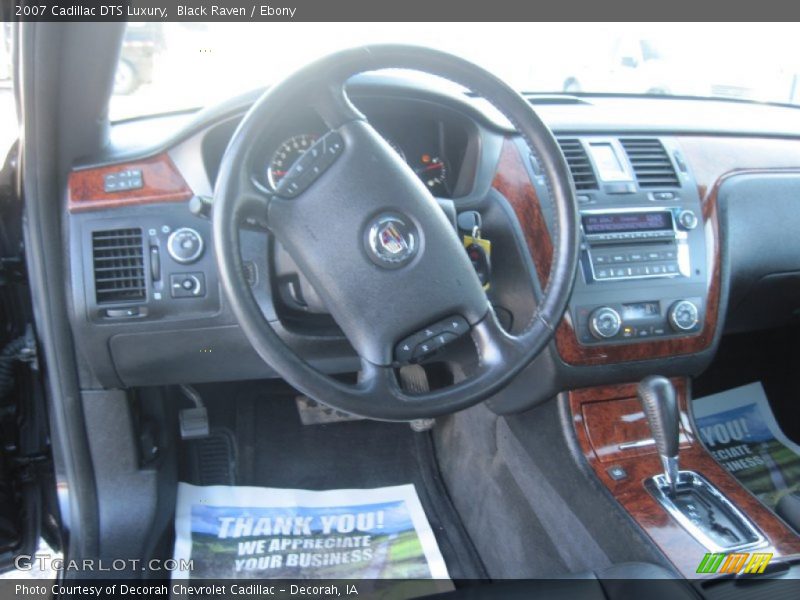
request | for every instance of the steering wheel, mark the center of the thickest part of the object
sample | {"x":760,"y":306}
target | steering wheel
{"x":375,"y":245}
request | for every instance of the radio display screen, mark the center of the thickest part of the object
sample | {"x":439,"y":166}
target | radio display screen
{"x":627,"y":222}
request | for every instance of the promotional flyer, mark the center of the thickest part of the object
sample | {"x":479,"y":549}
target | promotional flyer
{"x":740,"y":431}
{"x":260,"y":533}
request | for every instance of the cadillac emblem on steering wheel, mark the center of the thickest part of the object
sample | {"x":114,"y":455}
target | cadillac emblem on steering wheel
{"x":391,"y":241}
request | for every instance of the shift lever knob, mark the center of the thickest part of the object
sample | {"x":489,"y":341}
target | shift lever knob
{"x":660,"y":404}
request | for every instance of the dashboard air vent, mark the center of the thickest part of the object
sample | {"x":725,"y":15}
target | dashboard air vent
{"x":579,"y":165}
{"x":118,"y":258}
{"x":650,"y":162}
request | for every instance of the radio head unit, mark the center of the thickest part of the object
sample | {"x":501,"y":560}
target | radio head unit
{"x":636,"y":243}
{"x":643,"y":253}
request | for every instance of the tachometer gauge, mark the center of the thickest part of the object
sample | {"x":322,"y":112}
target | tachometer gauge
{"x":286,"y":155}
{"x":431,"y":170}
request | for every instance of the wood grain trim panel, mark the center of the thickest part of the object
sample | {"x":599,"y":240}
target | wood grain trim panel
{"x":679,"y":547}
{"x":572,"y":352}
{"x":162,"y":183}
{"x":711,"y":158}
{"x":611,"y":423}
{"x":512,"y":180}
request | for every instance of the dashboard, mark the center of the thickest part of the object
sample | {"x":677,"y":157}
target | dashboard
{"x":655,"y":290}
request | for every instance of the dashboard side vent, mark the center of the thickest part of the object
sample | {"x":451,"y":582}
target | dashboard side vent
{"x":579,"y":165}
{"x":118,"y":260}
{"x":650,"y":162}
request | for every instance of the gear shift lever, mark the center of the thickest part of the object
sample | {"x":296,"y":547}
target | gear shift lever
{"x":697,"y":505}
{"x":660,"y":404}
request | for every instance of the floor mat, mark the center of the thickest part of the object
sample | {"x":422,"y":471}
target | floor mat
{"x":738,"y":428}
{"x":274,"y":449}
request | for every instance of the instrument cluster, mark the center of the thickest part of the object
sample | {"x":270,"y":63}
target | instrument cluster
{"x":427,"y":145}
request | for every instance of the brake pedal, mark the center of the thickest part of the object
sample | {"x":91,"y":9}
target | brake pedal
{"x":194,"y":423}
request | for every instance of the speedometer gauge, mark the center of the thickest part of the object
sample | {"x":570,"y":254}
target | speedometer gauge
{"x":286,"y":155}
{"x":431,"y":170}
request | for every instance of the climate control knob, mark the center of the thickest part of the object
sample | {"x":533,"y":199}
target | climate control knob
{"x":684,"y":315}
{"x":185,"y":245}
{"x":604,"y":323}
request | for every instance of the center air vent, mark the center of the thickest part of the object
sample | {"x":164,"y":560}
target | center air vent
{"x":579,"y":165}
{"x":118,"y":258}
{"x":650,"y":162}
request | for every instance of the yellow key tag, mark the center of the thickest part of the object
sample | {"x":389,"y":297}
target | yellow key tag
{"x":483,"y":243}
{"x":479,"y":251}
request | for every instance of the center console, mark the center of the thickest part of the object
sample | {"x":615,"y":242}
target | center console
{"x":643,"y":271}
{"x":646,"y":453}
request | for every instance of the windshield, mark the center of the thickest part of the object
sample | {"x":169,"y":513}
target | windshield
{"x":175,"y":66}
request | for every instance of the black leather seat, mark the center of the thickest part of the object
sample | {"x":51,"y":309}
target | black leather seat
{"x":618,"y":582}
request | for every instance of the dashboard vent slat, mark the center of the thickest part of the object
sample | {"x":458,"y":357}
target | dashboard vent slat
{"x":579,"y":165}
{"x":118,"y":262}
{"x":650,"y":162}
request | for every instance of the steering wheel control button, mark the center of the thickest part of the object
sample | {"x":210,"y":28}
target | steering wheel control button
{"x":391,"y":241}
{"x":457,"y":325}
{"x":404,"y":351}
{"x":311,"y":165}
{"x":185,"y":245}
{"x":605,"y":323}
{"x":187,"y":285}
{"x":432,"y":345}
{"x":684,"y":316}
{"x":250,"y":270}
{"x":442,"y":340}
{"x":422,"y":350}
{"x":429,"y":340}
